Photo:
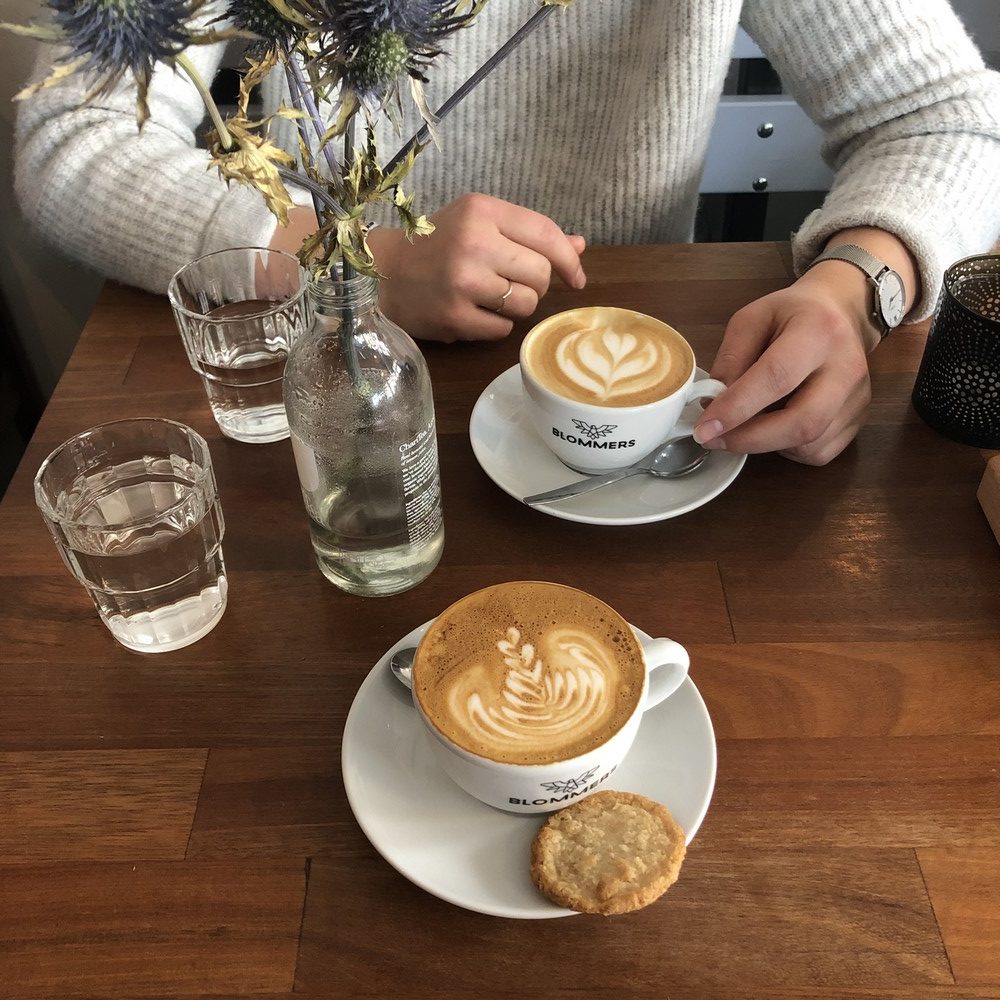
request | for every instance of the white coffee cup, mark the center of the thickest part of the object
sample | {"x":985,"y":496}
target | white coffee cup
{"x":596,"y":437}
{"x":541,"y":788}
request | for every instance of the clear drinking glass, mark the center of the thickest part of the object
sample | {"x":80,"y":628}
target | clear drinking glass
{"x":134,"y":511}
{"x":239,"y":312}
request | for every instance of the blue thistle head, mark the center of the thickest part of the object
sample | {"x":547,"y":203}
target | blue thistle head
{"x":117,"y":36}
{"x":263,"y":20}
{"x":378,"y":40}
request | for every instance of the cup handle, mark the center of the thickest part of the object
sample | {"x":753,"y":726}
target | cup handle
{"x":706,"y":388}
{"x":668,"y":663}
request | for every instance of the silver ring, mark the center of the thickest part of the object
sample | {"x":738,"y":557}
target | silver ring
{"x":505,"y":296}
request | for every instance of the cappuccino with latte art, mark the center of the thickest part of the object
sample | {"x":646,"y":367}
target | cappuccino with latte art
{"x":532,"y":693}
{"x":605,"y":386}
{"x":608,"y":356}
{"x":529,"y":673}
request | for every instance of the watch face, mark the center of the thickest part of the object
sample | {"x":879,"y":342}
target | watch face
{"x":890,"y":298}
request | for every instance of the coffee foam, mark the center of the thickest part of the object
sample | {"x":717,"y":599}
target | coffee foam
{"x":529,"y":673}
{"x":608,"y":356}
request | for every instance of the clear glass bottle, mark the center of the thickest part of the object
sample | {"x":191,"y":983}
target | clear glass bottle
{"x":361,"y":415}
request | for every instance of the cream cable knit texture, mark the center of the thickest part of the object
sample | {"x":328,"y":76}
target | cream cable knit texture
{"x":600,"y":121}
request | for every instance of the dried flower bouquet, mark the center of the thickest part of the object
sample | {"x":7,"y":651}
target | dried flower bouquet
{"x":341,"y":59}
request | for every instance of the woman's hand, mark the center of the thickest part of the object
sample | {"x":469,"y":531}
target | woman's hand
{"x":449,"y":285}
{"x":807,"y":348}
{"x":806,"y":345}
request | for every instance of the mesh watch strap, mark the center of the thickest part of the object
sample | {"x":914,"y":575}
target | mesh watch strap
{"x":872,"y":267}
{"x":855,"y":255}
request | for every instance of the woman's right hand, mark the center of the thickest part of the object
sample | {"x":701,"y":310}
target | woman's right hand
{"x":448,"y":286}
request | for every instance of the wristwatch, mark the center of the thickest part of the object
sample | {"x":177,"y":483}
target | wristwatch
{"x":890,"y":296}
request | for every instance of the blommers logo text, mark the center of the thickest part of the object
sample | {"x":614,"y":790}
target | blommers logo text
{"x":590,"y":443}
{"x":572,"y":790}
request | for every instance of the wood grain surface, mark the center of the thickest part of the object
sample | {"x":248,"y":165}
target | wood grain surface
{"x":176,"y":826}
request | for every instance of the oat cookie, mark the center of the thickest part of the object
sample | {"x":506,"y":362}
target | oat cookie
{"x":609,"y":853}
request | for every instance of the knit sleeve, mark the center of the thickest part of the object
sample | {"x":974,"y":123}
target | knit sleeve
{"x":134,"y":205}
{"x":911,"y":123}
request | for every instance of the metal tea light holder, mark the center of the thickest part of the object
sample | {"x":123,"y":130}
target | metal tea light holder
{"x":957,"y":389}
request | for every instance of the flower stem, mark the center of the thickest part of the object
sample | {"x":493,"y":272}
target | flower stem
{"x":309,"y":101}
{"x":350,"y":348}
{"x":348,"y":163}
{"x":206,"y":95}
{"x":300,"y":180}
{"x":293,"y":91}
{"x":473,"y":81}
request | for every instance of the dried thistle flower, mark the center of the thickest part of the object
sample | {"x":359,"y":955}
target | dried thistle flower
{"x":108,"y":39}
{"x":353,"y":52}
{"x":263,"y":20}
{"x":119,"y":35}
{"x":376,"y":41}
{"x":380,"y":59}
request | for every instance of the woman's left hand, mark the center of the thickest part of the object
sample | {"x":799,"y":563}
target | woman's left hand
{"x":806,"y":345}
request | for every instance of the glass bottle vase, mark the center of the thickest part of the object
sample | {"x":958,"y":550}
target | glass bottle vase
{"x":361,"y":416}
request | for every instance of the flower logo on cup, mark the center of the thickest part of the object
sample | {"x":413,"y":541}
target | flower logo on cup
{"x":571,"y":784}
{"x":594,"y":431}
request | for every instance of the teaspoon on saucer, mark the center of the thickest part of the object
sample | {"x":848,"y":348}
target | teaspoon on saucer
{"x":674,"y":458}
{"x":401,"y":665}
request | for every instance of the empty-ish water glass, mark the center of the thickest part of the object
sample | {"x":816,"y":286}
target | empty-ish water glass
{"x":134,"y":511}
{"x":239,"y":311}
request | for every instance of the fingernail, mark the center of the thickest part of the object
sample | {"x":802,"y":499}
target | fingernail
{"x":705,"y":432}
{"x":580,"y":280}
{"x":716,"y":444}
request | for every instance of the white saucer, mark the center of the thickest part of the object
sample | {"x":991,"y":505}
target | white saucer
{"x":468,"y":853}
{"x":514,"y":457}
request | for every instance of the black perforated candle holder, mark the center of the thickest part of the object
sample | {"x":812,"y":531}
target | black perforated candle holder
{"x":957,"y":391}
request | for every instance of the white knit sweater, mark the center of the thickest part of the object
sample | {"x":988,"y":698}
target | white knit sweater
{"x":600,"y":120}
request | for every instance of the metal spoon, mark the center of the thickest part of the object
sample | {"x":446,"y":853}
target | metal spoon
{"x":670,"y":460}
{"x":401,"y":664}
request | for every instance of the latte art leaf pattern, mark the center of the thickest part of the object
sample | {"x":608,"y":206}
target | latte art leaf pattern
{"x":611,"y":363}
{"x":539,"y":699}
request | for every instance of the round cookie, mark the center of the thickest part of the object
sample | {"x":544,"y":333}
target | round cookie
{"x":609,"y":853}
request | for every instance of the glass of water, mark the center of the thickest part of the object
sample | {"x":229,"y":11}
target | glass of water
{"x":134,"y":511}
{"x":239,"y":311}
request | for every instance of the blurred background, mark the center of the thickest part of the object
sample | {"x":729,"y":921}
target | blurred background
{"x":762,"y":193}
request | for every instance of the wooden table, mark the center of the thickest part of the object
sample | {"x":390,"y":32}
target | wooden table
{"x":177,"y":826}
